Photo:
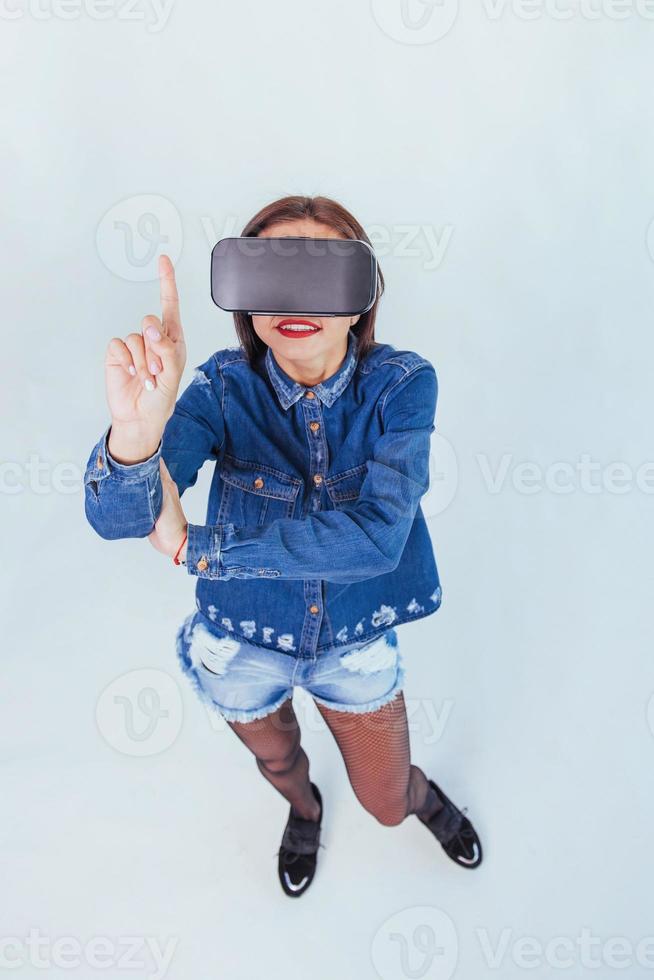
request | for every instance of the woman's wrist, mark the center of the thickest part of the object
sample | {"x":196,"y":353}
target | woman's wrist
{"x":130,"y":444}
{"x":179,"y":555}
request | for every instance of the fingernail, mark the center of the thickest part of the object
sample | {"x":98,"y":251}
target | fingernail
{"x":131,"y":369}
{"x":153,"y":333}
{"x":153,"y":367}
{"x":149,"y":385}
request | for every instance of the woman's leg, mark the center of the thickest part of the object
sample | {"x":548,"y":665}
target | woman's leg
{"x":376,"y":751}
{"x":275,"y":743}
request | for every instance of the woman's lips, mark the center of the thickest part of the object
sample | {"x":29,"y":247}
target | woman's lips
{"x":289,"y":327}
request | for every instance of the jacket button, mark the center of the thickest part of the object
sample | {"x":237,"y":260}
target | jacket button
{"x":202,"y":564}
{"x":314,"y":608}
{"x":317,"y":479}
{"x":310,"y":394}
{"x":258,"y":483}
{"x":314,"y":426}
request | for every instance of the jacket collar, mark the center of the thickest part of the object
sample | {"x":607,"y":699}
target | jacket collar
{"x":288,"y":390}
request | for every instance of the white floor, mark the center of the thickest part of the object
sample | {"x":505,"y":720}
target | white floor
{"x":157,"y":832}
{"x":504,"y":171}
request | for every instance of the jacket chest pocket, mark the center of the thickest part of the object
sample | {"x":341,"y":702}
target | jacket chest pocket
{"x":253,"y":493}
{"x":343,"y":488}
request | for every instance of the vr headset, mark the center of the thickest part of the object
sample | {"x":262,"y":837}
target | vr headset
{"x":322,"y":276}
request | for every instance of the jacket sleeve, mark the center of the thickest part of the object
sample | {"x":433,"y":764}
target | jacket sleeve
{"x":124,"y":500}
{"x":349,"y":544}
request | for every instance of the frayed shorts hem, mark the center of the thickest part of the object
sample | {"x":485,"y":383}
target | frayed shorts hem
{"x":249,"y":714}
{"x":369,"y":705}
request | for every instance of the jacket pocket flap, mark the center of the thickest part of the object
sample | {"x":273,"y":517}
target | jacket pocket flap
{"x":263,"y":480}
{"x":346,"y":485}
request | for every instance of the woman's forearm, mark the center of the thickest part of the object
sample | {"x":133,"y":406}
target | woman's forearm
{"x":338,"y":546}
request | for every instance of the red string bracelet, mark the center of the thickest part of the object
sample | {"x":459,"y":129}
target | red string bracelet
{"x":176,"y":559}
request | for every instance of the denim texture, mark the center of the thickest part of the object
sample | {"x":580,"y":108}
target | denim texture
{"x":314,"y":535}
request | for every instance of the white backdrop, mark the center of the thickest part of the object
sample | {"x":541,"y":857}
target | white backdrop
{"x":501,"y":157}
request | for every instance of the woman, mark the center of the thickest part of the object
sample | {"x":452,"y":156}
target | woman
{"x":315,"y":547}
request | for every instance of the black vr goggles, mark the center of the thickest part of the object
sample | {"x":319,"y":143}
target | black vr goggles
{"x":322,"y":276}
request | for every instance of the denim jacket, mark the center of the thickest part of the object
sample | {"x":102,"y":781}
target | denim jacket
{"x":314,"y":534}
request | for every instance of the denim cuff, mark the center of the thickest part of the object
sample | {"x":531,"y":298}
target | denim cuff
{"x":203,"y":550}
{"x":208,"y":551}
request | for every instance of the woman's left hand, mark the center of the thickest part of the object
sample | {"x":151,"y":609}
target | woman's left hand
{"x":171,"y":526}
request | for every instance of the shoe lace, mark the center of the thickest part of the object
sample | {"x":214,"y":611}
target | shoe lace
{"x":300,"y":838}
{"x":293,"y":852}
{"x":461,"y":838}
{"x":448,"y":824}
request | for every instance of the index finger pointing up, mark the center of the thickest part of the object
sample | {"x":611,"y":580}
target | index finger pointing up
{"x":169,"y":298}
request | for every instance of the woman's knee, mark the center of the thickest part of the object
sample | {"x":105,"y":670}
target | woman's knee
{"x":387,"y":808}
{"x":284,"y":759}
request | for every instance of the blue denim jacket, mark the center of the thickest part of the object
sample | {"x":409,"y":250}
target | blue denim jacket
{"x":314,"y":534}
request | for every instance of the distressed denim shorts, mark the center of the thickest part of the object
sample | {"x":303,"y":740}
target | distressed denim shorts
{"x":244,"y":682}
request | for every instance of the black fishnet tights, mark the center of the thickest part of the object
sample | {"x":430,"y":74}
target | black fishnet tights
{"x":376,"y":751}
{"x":275,"y":744}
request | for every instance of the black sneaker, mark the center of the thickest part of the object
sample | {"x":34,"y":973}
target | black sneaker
{"x":298,"y":852}
{"x":455,"y":832}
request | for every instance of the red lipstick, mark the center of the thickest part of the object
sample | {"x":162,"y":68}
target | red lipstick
{"x":297,"y":322}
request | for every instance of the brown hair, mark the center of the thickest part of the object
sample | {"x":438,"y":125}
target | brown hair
{"x":327,"y":212}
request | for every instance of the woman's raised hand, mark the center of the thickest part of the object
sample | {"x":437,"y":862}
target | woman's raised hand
{"x":142,"y":376}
